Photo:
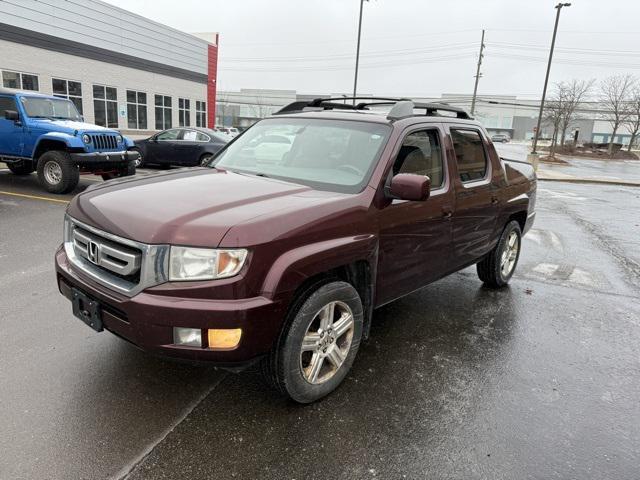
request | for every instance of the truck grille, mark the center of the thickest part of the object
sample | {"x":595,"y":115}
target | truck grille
{"x":104,"y":141}
{"x":119,"y":260}
{"x":118,"y":263}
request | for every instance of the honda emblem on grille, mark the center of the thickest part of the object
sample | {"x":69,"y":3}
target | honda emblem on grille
{"x":93,"y":252}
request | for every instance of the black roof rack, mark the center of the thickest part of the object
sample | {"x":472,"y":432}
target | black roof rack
{"x":403,"y":107}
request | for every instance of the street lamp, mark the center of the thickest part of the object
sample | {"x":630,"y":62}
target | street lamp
{"x":546,"y":78}
{"x":355,"y":80}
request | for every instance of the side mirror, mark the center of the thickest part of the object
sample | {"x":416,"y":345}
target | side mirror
{"x":12,"y":115}
{"x":407,"y":186}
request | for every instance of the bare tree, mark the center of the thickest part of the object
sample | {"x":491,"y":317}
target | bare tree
{"x":553,"y":114}
{"x":573,"y":93}
{"x":633,"y":121}
{"x":614,"y":97}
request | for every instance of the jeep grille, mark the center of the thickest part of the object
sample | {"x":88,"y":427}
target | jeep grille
{"x":104,"y":141}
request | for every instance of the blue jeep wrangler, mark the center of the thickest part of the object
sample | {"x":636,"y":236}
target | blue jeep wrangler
{"x":47,"y":134}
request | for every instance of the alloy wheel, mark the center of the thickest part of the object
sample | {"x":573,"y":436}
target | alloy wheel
{"x":52,"y":172}
{"x":326,"y":343}
{"x":509,"y":254}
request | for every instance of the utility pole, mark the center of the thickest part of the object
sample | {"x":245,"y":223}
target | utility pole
{"x":355,"y":80}
{"x":478,"y":74}
{"x":546,"y":78}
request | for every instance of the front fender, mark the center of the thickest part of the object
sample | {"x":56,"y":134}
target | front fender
{"x":70,"y":141}
{"x":295,"y":266}
{"x":128,"y":142}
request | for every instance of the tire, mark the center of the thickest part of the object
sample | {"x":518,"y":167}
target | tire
{"x":290,"y":370}
{"x":204,"y":159}
{"x":57,"y":173}
{"x":140,"y":162}
{"x":496,"y":269}
{"x":127,"y":171}
{"x":21,"y":168}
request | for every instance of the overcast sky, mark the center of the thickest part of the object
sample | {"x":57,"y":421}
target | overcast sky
{"x":409,"y":47}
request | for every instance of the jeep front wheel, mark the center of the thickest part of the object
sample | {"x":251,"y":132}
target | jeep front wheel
{"x":57,"y":173}
{"x":317,"y":348}
{"x":20,"y":169}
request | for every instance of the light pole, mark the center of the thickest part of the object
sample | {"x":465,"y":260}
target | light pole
{"x":355,"y":80}
{"x":546,"y":78}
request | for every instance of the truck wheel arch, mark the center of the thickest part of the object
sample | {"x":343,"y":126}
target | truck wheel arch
{"x":46,"y":145}
{"x":351,"y":259}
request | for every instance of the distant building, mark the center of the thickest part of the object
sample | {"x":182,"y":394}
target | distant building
{"x":121,"y":70}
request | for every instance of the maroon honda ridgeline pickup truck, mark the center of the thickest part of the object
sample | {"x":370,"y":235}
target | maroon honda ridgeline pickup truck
{"x":281,"y":249}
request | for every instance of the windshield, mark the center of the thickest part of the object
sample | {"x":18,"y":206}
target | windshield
{"x":334,"y":155}
{"x":54,"y":108}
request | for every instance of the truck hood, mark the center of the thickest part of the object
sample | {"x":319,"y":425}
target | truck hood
{"x":69,"y":126}
{"x":194,"y":207}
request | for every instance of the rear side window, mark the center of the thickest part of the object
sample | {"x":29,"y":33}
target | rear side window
{"x":420,"y":154}
{"x":470,"y":154}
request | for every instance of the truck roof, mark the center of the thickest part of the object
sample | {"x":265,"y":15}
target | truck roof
{"x":401,"y":109}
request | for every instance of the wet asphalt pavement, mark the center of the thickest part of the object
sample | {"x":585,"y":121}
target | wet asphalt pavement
{"x":539,"y":380}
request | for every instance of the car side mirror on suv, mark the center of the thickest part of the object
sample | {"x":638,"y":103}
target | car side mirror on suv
{"x":12,"y":115}
{"x":408,"y":186}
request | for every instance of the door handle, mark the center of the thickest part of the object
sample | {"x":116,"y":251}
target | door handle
{"x":446,"y":213}
{"x":494,"y":200}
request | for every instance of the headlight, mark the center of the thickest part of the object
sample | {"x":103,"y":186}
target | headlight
{"x":86,"y":138}
{"x":119,"y":139}
{"x":187,"y":263}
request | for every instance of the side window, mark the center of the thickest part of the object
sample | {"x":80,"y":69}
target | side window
{"x":470,"y":155}
{"x":168,"y":135}
{"x":201,"y":137}
{"x":7,"y":103}
{"x":421,"y":154}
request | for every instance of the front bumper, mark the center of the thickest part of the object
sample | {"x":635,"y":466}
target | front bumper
{"x":147,"y":319}
{"x":104,"y":159}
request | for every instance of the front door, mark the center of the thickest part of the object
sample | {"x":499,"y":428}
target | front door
{"x":161,"y":149}
{"x":415,"y":237}
{"x":476,"y":205}
{"x":187,"y":148}
{"x":11,"y":132}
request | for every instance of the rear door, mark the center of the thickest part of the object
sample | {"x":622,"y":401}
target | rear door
{"x":476,"y":200}
{"x":11,"y":133}
{"x":415,"y":237}
{"x":189,"y":147}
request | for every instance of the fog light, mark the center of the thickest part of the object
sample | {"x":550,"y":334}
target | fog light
{"x":187,"y":336}
{"x":224,"y":339}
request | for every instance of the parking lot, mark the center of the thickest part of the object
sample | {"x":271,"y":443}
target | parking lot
{"x":538,"y":380}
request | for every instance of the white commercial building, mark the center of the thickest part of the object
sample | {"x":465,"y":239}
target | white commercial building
{"x":121,"y":70}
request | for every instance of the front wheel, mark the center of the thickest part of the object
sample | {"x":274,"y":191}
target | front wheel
{"x":20,"y":169}
{"x":139,"y":162}
{"x":317,"y":348}
{"x":496,"y":269}
{"x":57,"y":173}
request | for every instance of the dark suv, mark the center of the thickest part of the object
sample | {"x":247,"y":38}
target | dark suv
{"x":280,"y":250}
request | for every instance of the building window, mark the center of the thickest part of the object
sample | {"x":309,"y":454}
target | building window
{"x":69,"y":90}
{"x":24,"y":81}
{"x":136,"y":110}
{"x":105,"y":106}
{"x":163,"y":112}
{"x":201,"y":114}
{"x":184,"y":112}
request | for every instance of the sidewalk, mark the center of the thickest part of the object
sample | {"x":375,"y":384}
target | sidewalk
{"x":546,"y":174}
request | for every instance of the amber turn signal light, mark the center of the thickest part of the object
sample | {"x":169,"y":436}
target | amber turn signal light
{"x":224,"y":338}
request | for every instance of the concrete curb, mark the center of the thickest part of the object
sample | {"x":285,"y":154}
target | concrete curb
{"x":590,"y":180}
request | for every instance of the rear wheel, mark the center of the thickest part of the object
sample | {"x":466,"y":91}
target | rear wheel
{"x":57,"y":173}
{"x":496,"y":269}
{"x":20,"y":168}
{"x":318,"y":345}
{"x":204,"y":159}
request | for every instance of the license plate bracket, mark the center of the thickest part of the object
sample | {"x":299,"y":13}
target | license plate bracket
{"x":87,"y":310}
